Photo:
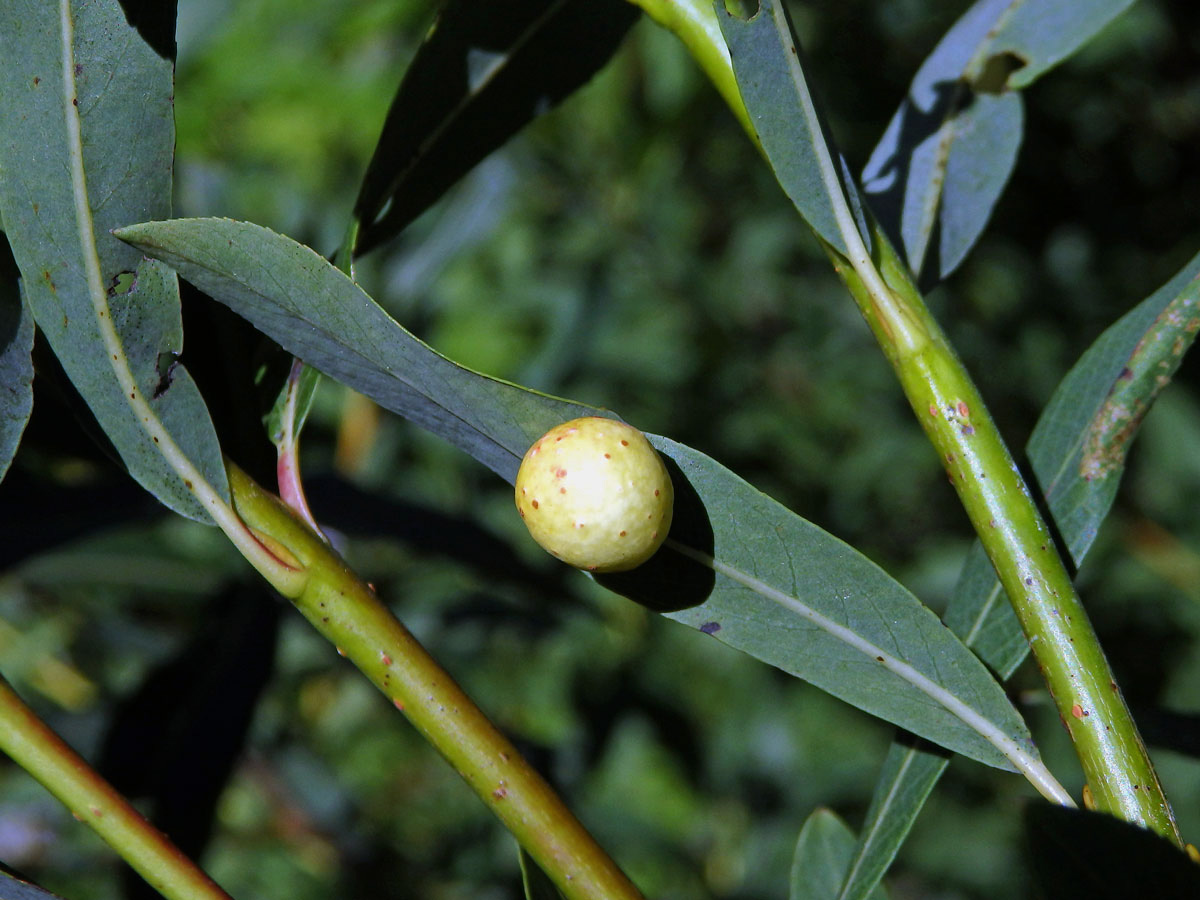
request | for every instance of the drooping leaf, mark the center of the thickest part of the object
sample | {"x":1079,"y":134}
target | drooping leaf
{"x":947,"y":154}
{"x":739,"y":566}
{"x":93,"y":151}
{"x":823,"y":852}
{"x":770,"y":74}
{"x":1077,"y":452}
{"x":486,"y":69}
{"x":16,"y":360}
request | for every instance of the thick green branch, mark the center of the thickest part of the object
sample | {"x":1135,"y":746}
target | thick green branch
{"x":346,"y":611}
{"x":37,"y":749}
{"x":1121,"y":779}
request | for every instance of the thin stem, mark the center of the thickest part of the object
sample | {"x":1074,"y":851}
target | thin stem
{"x":348,"y":612}
{"x":42,"y":753}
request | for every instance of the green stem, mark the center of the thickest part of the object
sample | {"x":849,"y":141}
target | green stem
{"x":347,"y":612}
{"x":42,"y":753}
{"x":1121,"y":779}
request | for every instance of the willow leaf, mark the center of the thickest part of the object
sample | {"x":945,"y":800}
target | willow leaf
{"x":16,"y":361}
{"x":93,"y":150}
{"x":948,"y":152}
{"x":486,"y":69}
{"x":823,"y":851}
{"x":739,"y":566}
{"x":770,"y":74}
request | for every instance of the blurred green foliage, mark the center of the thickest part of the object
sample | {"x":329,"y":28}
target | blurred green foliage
{"x":631,"y":250}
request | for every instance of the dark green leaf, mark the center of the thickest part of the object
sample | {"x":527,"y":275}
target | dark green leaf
{"x":770,"y":74}
{"x":487,"y":68}
{"x":16,"y":361}
{"x":739,"y":566}
{"x":947,"y":154}
{"x":823,"y":852}
{"x":1077,"y":453}
{"x":94,"y":151}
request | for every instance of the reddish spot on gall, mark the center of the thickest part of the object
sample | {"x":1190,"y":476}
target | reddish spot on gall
{"x":385,"y":659}
{"x":560,"y":473}
{"x":624,"y":443}
{"x":399,"y":704}
{"x":1077,"y":711}
{"x":534,"y":504}
{"x":963,"y":409}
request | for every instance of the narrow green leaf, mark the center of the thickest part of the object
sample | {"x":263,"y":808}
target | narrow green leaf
{"x":1077,"y":452}
{"x":770,"y":74}
{"x":286,"y":289}
{"x":16,"y":361}
{"x":948,"y":152}
{"x":823,"y":852}
{"x":741,"y":567}
{"x":92,"y":151}
{"x":486,"y":69}
{"x":910,"y":770}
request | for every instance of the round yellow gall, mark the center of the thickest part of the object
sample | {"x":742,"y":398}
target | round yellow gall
{"x":594,"y":493}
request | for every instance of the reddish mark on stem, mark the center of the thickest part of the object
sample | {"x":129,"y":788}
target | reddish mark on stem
{"x":1077,"y":711}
